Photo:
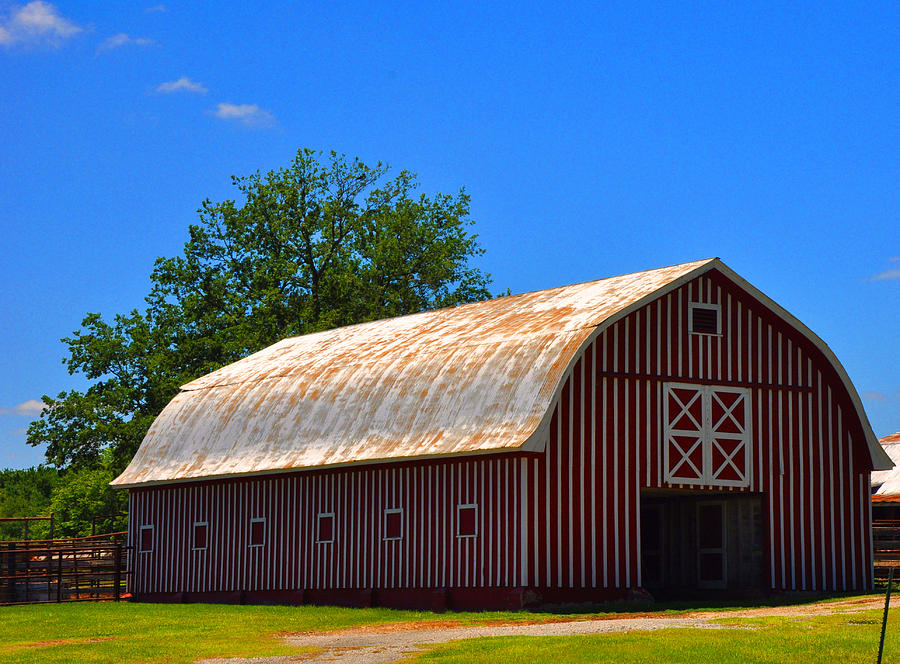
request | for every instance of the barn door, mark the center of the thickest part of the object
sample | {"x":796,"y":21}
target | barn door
{"x":729,"y":436}
{"x":684,"y":435}
{"x":707,"y":435}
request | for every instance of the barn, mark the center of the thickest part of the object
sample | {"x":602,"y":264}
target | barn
{"x":672,"y":431}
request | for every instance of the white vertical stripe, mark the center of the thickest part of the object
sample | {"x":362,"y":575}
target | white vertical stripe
{"x":820,"y":477}
{"x":719,"y":339}
{"x":616,"y":477}
{"x":645,"y":413}
{"x":690,"y":340}
{"x":852,"y":509}
{"x":647,"y":341}
{"x":637,"y":492}
{"x":791,"y":447}
{"x":842,"y":479}
{"x":605,"y":483}
{"x":570,"y":489}
{"x":506,"y":529}
{"x":559,"y":517}
{"x":536,"y":534}
{"x":740,"y":347}
{"x":628,"y":443}
{"x":678,"y":332}
{"x":771,"y":493}
{"x":811,"y":474}
{"x":523,"y":516}
{"x":584,"y":520}
{"x":637,"y":341}
{"x":547,"y":520}
{"x":593,"y":442}
{"x":658,"y":338}
{"x":483,"y":532}
{"x":801,"y":508}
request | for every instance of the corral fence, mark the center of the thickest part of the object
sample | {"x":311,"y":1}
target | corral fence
{"x":63,"y":570}
{"x":886,"y":542}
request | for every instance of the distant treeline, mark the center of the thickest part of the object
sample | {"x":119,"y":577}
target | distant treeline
{"x":73,"y":497}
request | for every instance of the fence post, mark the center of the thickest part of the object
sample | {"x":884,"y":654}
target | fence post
{"x":118,"y":580}
{"x":59,"y":576}
{"x":887,"y":604}
{"x":11,"y":570}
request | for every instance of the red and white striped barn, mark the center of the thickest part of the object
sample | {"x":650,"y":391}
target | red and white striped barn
{"x":672,"y":430}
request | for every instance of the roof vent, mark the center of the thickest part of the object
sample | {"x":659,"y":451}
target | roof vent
{"x":705,"y":318}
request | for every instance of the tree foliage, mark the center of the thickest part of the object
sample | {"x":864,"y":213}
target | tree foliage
{"x":325,"y":242}
{"x":26,"y":493}
{"x":84,"y":499}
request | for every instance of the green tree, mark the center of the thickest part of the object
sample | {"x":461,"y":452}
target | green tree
{"x":84,"y":499}
{"x":26,"y":493}
{"x":324,"y":242}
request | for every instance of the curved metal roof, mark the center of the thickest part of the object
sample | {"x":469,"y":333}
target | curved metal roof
{"x":475,"y":378}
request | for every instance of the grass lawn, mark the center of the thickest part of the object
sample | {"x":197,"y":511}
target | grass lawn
{"x":165,"y":633}
{"x":844,"y":638}
{"x":182,"y":633}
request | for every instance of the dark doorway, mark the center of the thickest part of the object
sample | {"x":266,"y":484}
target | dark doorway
{"x":693,"y":543}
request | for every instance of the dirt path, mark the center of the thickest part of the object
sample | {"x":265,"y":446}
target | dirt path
{"x":817,"y":609}
{"x":374,"y":644}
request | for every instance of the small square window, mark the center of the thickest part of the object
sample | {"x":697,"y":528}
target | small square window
{"x":146,"y":539}
{"x":200,"y":536}
{"x":393,"y":524}
{"x":325,"y":528}
{"x":467,"y":520}
{"x":257,"y":532}
{"x":704,"y":318}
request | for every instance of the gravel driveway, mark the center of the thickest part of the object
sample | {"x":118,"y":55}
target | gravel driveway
{"x":371,"y":646}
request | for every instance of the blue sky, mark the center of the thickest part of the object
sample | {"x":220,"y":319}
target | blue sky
{"x":595,"y":139}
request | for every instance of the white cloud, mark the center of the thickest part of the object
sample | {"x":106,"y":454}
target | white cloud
{"x":250,"y":115}
{"x":156,"y":8}
{"x":31,"y":407}
{"x":36,"y":23}
{"x":183,"y":84}
{"x":890,"y":273}
{"x":120,"y":40}
{"x":874,"y":396}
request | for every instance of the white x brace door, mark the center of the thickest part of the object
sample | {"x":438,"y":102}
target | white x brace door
{"x":707,"y":434}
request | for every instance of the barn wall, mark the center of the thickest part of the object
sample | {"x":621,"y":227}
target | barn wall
{"x":809,"y":457}
{"x":429,"y":555}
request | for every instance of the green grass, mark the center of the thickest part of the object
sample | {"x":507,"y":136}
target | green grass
{"x":844,"y":638}
{"x":182,"y":633}
{"x":165,"y":633}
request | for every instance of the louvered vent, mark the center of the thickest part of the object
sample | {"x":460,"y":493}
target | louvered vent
{"x":704,"y":320}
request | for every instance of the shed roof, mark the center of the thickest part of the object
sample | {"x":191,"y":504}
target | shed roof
{"x":479,"y":377}
{"x":887,"y":482}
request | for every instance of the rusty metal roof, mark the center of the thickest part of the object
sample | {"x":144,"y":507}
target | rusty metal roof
{"x":473,"y":378}
{"x":470,"y":379}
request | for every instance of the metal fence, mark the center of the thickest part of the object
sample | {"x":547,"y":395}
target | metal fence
{"x":77,"y":569}
{"x":886,"y":542}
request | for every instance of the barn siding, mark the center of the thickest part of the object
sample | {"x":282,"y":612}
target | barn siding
{"x":566,"y":518}
{"x":429,"y":555}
